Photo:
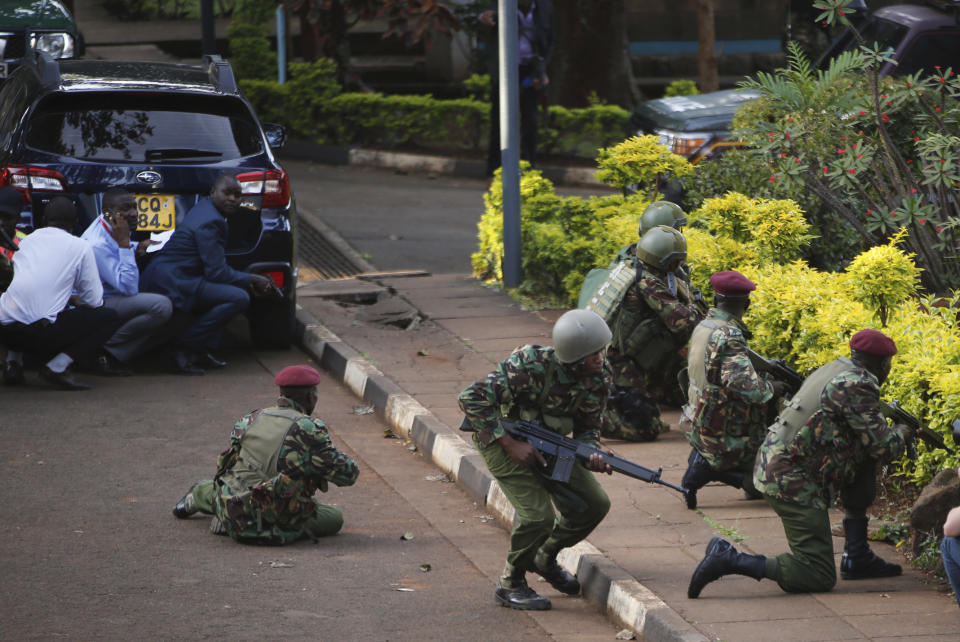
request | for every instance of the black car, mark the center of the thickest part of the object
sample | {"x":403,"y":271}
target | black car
{"x":164,"y":132}
{"x":43,"y":25}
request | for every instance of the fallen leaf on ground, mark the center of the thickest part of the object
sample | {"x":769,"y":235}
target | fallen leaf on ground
{"x":405,"y":590}
{"x":363,"y":410}
{"x":440,"y":477}
{"x":276,"y":564}
{"x":425,"y":568}
{"x":423,"y":352}
{"x":407,"y":536}
{"x":626,"y":634}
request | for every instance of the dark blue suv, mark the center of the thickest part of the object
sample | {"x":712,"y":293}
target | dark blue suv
{"x":162,"y":131}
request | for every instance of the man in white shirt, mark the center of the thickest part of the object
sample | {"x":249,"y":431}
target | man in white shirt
{"x":55,"y":303}
{"x":142,"y":313}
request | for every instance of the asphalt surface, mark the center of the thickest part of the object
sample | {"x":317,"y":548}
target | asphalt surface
{"x":92,"y":552}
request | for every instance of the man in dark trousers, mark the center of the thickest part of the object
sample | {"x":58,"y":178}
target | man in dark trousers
{"x":192,"y":271}
{"x":536,"y":34}
{"x":54,"y":305}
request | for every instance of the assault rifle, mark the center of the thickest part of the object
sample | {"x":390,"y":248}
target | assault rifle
{"x":565,"y":452}
{"x":898,"y":415}
{"x":778,"y":369}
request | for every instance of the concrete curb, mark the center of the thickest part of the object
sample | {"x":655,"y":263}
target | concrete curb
{"x":423,"y":163}
{"x":625,"y":601}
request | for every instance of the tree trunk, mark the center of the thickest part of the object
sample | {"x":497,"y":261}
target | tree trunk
{"x":707,"y":57}
{"x":591,"y":54}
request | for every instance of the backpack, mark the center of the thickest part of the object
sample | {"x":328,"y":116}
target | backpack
{"x":604,"y":288}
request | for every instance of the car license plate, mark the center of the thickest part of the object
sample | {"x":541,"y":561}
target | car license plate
{"x":3,"y":70}
{"x":157,"y":212}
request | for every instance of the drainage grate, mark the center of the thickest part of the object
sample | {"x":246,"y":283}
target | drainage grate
{"x":315,"y":250}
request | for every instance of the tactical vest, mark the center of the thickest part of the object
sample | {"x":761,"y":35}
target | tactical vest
{"x":606,"y":298}
{"x":696,"y":363}
{"x":798,"y":410}
{"x":260,"y":449}
{"x":562,"y":424}
{"x":641,"y":335}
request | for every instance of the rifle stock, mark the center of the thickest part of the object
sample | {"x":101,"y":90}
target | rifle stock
{"x":566,"y":451}
{"x":778,"y":369}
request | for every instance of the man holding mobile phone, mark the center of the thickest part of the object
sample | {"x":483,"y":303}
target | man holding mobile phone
{"x":143,"y":313}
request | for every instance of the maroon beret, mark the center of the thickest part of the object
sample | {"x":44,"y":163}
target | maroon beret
{"x":731,"y":283}
{"x":293,"y":376}
{"x":873,"y":342}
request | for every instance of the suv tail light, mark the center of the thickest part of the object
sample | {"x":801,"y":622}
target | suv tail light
{"x":27,"y":179}
{"x":273,"y":184}
{"x":277,"y":278}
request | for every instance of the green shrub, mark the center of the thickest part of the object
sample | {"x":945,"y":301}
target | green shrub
{"x":562,"y":238}
{"x":682,"y":87}
{"x":250,"y":54}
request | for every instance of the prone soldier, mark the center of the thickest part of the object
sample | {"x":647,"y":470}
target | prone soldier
{"x":824,"y":445}
{"x":650,"y":331}
{"x":728,"y":399}
{"x":564,"y":388}
{"x":277,"y":459}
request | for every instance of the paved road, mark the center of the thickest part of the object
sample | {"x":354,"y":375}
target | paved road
{"x":91,"y":550}
{"x":398,"y":221}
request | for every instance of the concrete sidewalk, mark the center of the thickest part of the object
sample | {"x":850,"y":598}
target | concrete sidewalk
{"x":637,"y":564}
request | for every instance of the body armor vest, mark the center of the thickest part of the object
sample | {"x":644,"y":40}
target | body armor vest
{"x":260,"y":448}
{"x":696,"y":366}
{"x":798,"y":410}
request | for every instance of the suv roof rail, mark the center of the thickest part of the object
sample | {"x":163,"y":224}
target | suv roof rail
{"x":221,"y":73}
{"x":46,"y":67}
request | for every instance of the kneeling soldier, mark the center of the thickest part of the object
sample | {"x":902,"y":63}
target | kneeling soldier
{"x":728,"y":398}
{"x":278,"y":458}
{"x":825,"y":444}
{"x":565,"y":389}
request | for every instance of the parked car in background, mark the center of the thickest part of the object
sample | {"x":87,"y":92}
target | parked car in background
{"x":918,"y":37}
{"x":164,"y":132}
{"x":42,"y":25}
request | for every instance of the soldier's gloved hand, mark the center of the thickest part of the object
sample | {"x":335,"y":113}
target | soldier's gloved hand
{"x":522,"y":452}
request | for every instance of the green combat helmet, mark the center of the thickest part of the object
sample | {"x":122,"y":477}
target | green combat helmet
{"x":578,"y":334}
{"x":661,"y":213}
{"x":662,"y":247}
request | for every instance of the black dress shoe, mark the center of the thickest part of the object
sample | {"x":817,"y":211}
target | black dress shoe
{"x":207,"y":360}
{"x":13,"y":374}
{"x":182,"y":363}
{"x":62,"y":380}
{"x":107,"y":366}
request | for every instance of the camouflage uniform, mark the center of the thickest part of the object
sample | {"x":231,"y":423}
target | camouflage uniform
{"x":273,"y":503}
{"x":730,"y":412}
{"x":532,"y":384}
{"x":823,"y":447}
{"x":650,"y":332}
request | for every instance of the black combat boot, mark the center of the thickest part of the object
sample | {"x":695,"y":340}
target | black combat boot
{"x":697,"y":475}
{"x":187,"y":505}
{"x":518,"y":595}
{"x":858,"y":561}
{"x":723,"y":559}
{"x":558,"y":577}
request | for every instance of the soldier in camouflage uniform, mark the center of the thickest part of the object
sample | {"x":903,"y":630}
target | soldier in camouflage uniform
{"x":650,"y":331}
{"x":728,"y":399}
{"x":823,"y":446}
{"x":563,"y":387}
{"x":278,"y":458}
